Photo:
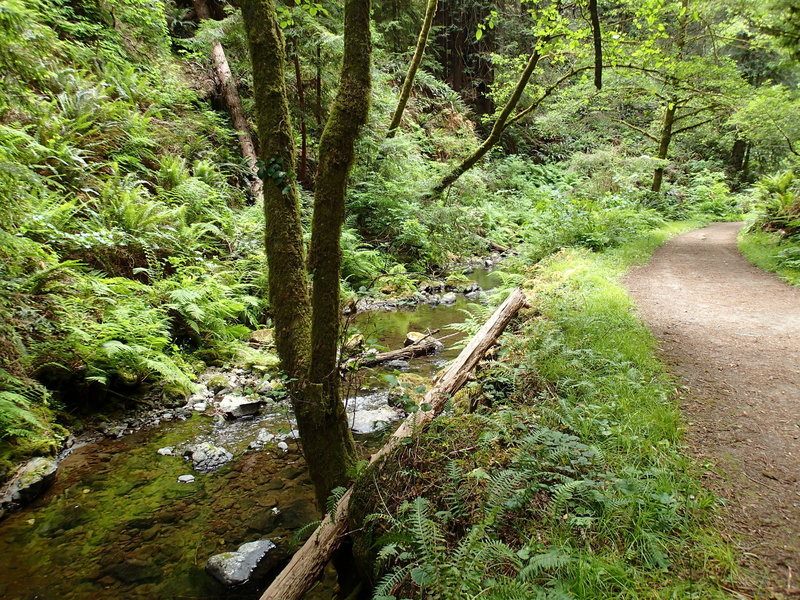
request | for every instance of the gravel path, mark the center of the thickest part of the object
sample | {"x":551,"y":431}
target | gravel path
{"x":732,"y":334}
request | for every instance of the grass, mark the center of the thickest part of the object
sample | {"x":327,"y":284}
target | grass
{"x":772,"y":253}
{"x":573,"y":482}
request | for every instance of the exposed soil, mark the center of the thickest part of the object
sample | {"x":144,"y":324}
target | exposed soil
{"x":732,"y":334}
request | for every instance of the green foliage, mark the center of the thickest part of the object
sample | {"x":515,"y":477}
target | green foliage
{"x":572,"y":484}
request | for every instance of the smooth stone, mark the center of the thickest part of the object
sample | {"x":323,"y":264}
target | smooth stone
{"x":283,"y":446}
{"x":239,"y":406}
{"x":30,"y":480}
{"x":186,"y":479}
{"x":166,"y":451}
{"x":249,"y":561}
{"x":449,"y":298}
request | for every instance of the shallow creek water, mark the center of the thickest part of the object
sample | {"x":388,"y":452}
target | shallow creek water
{"x":118,"y":524}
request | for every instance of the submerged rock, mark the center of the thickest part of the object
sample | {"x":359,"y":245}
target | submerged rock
{"x":235,"y":406}
{"x":250,"y":561}
{"x":30,"y":480}
{"x":449,"y":298}
{"x":208,"y":457}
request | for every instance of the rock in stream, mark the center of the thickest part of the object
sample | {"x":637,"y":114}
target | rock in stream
{"x":251,"y":560}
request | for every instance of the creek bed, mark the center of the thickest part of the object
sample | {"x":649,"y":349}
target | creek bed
{"x":118,"y":524}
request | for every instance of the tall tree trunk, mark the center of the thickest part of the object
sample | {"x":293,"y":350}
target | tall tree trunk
{"x":737,"y":154}
{"x":230,"y":95}
{"x":301,"y":105}
{"x":663,"y":146}
{"x":318,"y":87}
{"x":331,"y":442}
{"x":326,"y":439}
{"x":497,"y":130}
{"x":408,"y":83}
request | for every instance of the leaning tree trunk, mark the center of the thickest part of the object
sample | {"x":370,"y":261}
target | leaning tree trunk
{"x":499,"y":126}
{"x":663,"y":146}
{"x":329,"y":441}
{"x":230,"y":94}
{"x":408,"y":83}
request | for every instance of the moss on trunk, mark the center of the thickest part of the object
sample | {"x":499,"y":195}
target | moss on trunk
{"x":307,"y":328}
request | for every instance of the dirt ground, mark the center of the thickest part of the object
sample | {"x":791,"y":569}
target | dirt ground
{"x":732,"y":334}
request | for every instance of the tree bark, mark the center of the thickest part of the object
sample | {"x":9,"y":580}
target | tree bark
{"x":288,"y":281}
{"x":408,"y":83}
{"x":663,"y":146}
{"x":738,"y":153}
{"x":308,"y":563}
{"x":230,"y":94}
{"x":330,"y":440}
{"x":497,"y":130}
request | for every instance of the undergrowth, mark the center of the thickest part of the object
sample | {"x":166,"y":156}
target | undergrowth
{"x":771,"y":239}
{"x":569,"y":482}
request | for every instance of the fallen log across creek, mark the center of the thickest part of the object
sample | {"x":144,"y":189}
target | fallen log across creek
{"x":422,"y":347}
{"x":308,"y":563}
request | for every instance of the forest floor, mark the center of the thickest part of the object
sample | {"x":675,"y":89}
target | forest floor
{"x":731,"y":332}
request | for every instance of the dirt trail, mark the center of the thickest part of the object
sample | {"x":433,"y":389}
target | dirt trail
{"x":732,"y":333}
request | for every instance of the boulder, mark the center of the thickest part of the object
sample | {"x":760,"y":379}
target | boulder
{"x":263,"y":337}
{"x":218,"y":382}
{"x":250,"y":561}
{"x":166,"y":451}
{"x":355,"y":344}
{"x":31,"y":479}
{"x":413,"y":337}
{"x":186,"y":479}
{"x":449,"y":298}
{"x":208,"y":457}
{"x":235,"y":406}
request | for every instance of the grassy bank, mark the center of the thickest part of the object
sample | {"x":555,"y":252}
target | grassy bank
{"x":772,"y":253}
{"x":570,"y":481}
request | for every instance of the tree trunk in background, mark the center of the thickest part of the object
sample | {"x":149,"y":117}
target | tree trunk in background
{"x":330,"y":441}
{"x":422,"y":40}
{"x":230,"y":95}
{"x":497,"y":130}
{"x":318,"y":86}
{"x":737,"y":154}
{"x":663,"y":146}
{"x":301,"y":105}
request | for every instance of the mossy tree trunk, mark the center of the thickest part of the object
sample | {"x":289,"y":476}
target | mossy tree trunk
{"x":664,"y":142}
{"x":408,"y":83}
{"x":332,"y":439}
{"x":307,"y":327}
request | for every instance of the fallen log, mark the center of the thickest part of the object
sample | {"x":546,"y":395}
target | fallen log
{"x":423,"y":347}
{"x":492,"y":245}
{"x":230,"y":94}
{"x":308,"y":563}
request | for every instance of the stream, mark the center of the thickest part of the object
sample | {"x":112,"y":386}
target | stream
{"x":117,"y":523}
